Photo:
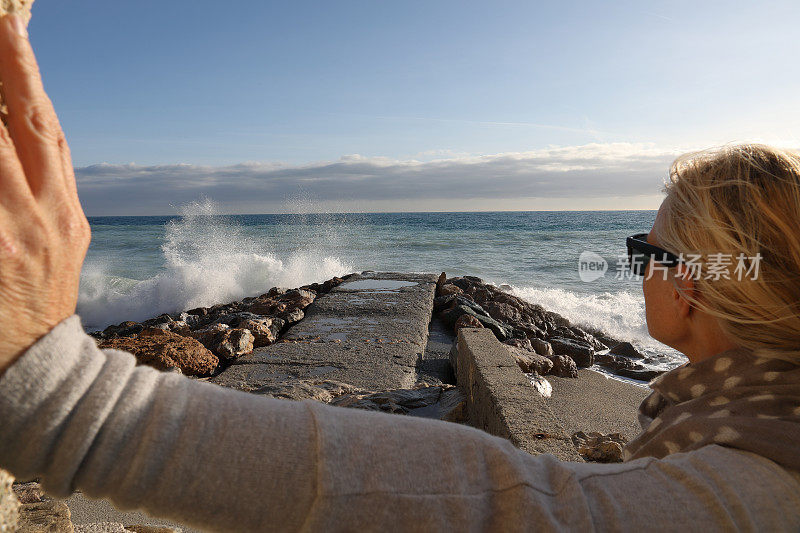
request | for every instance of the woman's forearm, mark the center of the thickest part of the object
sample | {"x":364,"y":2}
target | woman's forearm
{"x":82,"y":418}
{"x":219,"y":459}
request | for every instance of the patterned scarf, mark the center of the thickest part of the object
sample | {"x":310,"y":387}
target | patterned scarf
{"x":733,"y":399}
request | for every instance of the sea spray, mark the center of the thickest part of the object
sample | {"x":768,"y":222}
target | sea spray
{"x":207,"y":259}
{"x":620,"y":315}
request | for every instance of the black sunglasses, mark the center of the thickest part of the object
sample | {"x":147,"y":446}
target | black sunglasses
{"x":640,"y":252}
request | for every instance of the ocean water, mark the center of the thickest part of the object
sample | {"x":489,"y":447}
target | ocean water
{"x":139,"y":267}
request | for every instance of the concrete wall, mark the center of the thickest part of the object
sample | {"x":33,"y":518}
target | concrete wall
{"x":501,"y":400}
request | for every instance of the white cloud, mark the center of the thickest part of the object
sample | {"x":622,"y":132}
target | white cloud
{"x":605,"y":174}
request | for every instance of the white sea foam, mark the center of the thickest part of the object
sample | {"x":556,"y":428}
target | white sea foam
{"x":207,"y":260}
{"x":620,"y":315}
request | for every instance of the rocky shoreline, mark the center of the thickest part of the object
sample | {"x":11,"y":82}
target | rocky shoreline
{"x":204,"y":341}
{"x":209,"y":343}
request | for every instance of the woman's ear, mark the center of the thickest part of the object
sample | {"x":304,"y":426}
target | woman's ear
{"x":683,"y":286}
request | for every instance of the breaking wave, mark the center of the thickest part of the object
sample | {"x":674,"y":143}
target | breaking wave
{"x":207,"y":259}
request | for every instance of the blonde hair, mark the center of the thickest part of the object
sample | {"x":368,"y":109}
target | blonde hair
{"x":742,"y":199}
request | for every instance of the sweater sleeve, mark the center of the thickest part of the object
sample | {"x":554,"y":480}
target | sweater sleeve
{"x":218,"y":459}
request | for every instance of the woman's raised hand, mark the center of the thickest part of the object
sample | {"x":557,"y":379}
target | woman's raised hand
{"x":44,"y":234}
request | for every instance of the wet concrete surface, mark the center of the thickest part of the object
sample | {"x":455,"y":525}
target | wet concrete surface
{"x":370,"y":332}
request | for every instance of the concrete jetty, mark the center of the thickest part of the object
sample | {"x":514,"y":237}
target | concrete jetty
{"x":370,"y":332}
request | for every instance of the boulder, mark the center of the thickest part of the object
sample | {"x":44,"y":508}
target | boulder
{"x":525,"y":344}
{"x":467,"y":321}
{"x":9,"y":505}
{"x":225,"y":342}
{"x":267,"y":306}
{"x":626,"y":349}
{"x":541,"y":385}
{"x":234,"y":319}
{"x":640,"y":374}
{"x":321,"y":288}
{"x":449,"y":289}
{"x":30,"y":492}
{"x":440,"y":283}
{"x":463,"y":284}
{"x":501,"y":331}
{"x":580,"y":351}
{"x":599,"y":448}
{"x":503,"y":312}
{"x":530,"y":330}
{"x":531,"y":361}
{"x":622,"y":366}
{"x":298,"y":298}
{"x":541,"y":347}
{"x":165,"y":350}
{"x":126,"y":329}
{"x":45,"y":516}
{"x":564,"y":366}
{"x":160,"y":319}
{"x":293,"y":316}
{"x":265,"y":330}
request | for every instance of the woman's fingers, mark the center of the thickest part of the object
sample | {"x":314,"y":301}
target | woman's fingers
{"x":14,"y":190}
{"x":32,"y":121}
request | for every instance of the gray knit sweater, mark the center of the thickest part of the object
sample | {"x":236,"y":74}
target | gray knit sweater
{"x":218,"y":459}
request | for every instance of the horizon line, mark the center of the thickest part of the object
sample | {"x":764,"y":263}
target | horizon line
{"x":389,"y":213}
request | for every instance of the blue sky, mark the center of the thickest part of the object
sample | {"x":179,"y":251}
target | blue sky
{"x":161,"y":91}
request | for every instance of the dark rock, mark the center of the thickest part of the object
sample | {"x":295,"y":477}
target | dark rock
{"x":464,"y":300}
{"x":463,"y":284}
{"x":165,"y":350}
{"x":622,"y":366}
{"x":643,"y":375}
{"x":126,"y":329}
{"x":580,"y":351}
{"x":440,"y":283}
{"x":588,"y":337}
{"x":234,"y":319}
{"x":473,"y":279}
{"x":198,"y":311}
{"x":626,"y":349}
{"x":564,"y":366}
{"x":160,"y":319}
{"x":501,"y":331}
{"x":530,"y":331}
